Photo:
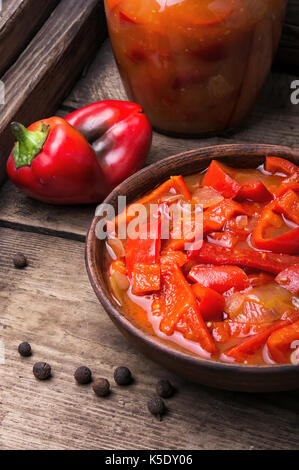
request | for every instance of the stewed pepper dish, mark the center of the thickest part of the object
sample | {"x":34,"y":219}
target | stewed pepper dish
{"x":225,"y":284}
{"x":195,"y":66}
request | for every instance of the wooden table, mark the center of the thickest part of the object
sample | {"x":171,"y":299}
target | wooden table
{"x":51,"y":305}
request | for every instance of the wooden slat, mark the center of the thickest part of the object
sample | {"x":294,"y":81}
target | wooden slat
{"x":51,"y":305}
{"x":19,"y":22}
{"x":288,"y":52}
{"x":27,"y":214}
{"x":50,"y":65}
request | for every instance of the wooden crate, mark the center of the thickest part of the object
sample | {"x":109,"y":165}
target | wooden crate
{"x":48,"y":67}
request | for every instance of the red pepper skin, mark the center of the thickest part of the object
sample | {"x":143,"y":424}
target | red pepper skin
{"x":254,"y":191}
{"x":279,"y":343}
{"x":120,"y":134}
{"x":211,"y":306}
{"x":271,"y":262}
{"x":217,"y":178}
{"x":65,"y":171}
{"x":220,"y":278}
{"x":288,"y":204}
{"x":286,"y":243}
{"x":282,"y":166}
{"x":289,"y":279}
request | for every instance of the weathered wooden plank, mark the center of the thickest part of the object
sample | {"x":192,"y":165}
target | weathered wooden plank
{"x":18,"y":210}
{"x":51,"y":305}
{"x":50,"y":65}
{"x":19,"y":22}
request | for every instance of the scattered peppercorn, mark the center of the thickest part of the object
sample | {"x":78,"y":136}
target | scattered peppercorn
{"x":20,"y":261}
{"x":83,"y":375}
{"x":164,"y":389}
{"x":101,"y":387}
{"x":25,"y":349}
{"x":122,"y":376}
{"x":156,"y":407}
{"x":42,"y":370}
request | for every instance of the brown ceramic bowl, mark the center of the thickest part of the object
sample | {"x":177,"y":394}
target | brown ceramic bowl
{"x":226,"y":376}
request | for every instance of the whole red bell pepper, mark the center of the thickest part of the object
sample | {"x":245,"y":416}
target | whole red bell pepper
{"x":80,"y":159}
{"x":53,"y":162}
{"x":119,"y":133}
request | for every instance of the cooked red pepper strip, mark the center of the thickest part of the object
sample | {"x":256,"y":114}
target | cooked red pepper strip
{"x":225,"y":239}
{"x":175,"y":182}
{"x":271,"y":262}
{"x":226,"y":330}
{"x":280,"y":342}
{"x":242,"y":351}
{"x":286,"y":243}
{"x":286,"y":186}
{"x":211,"y":306}
{"x":214,"y":219}
{"x":176,"y":304}
{"x":174,"y":257}
{"x":220,"y":278}
{"x":145,"y":249}
{"x":119,"y":133}
{"x":146,"y":278}
{"x":288,"y":205}
{"x":217,"y":178}
{"x":254,"y":191}
{"x":289,"y":279}
{"x":280,"y":165}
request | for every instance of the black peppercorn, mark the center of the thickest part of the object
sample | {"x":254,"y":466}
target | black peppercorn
{"x":20,"y":261}
{"x":164,"y":389}
{"x":122,"y":376}
{"x":83,"y":375}
{"x":42,"y":370}
{"x":101,"y":387}
{"x":156,"y":407}
{"x":25,"y":349}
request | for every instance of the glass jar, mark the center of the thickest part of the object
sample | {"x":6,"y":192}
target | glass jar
{"x":195,"y":66}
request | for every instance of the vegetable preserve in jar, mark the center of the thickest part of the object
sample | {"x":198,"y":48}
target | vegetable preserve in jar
{"x":195,"y":66}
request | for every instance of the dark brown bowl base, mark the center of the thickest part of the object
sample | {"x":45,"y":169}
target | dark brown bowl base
{"x":234,"y":377}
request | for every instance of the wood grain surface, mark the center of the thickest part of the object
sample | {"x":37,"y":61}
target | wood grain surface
{"x":49,"y":66}
{"x":51,"y":304}
{"x":19,"y":22}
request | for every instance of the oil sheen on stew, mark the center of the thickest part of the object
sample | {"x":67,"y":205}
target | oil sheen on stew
{"x":226,"y":286}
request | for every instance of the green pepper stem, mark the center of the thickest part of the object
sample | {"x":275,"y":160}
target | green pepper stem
{"x":29,"y":143}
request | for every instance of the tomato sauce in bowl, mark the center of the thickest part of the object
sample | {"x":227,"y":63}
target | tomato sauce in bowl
{"x":228,"y":289}
{"x":194,"y":66}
